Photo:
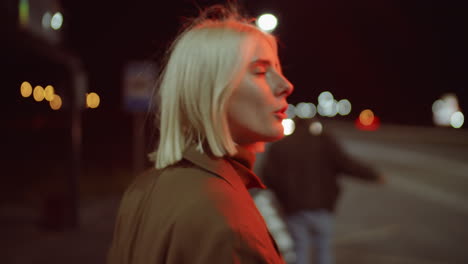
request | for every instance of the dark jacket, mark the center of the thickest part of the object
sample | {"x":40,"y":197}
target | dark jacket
{"x":303,"y":170}
{"x":197,"y":211}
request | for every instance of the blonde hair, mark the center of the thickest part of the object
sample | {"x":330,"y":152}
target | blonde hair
{"x":206,"y":63}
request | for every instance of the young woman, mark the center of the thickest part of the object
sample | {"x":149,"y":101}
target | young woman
{"x":222,"y":94}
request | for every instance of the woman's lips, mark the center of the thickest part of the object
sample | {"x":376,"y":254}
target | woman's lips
{"x":280,"y":115}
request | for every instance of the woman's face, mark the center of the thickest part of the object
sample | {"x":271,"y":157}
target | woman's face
{"x":257,"y":106}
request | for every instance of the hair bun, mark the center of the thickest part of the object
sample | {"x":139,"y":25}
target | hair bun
{"x":219,"y":12}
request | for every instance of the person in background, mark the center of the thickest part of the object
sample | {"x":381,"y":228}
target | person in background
{"x":222,"y":94}
{"x":303,"y":171}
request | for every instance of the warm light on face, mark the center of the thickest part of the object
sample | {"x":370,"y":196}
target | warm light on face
{"x":56,"y":102}
{"x":92,"y":100}
{"x":366,"y":117}
{"x":49,"y":92}
{"x":26,"y":89}
{"x":38,"y":93}
{"x":255,"y":107}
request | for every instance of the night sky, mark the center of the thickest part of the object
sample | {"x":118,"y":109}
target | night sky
{"x":395,"y":57}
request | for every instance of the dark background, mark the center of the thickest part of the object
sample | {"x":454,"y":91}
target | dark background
{"x":394,"y":57}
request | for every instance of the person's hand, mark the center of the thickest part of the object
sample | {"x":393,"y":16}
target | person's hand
{"x":381,"y":179}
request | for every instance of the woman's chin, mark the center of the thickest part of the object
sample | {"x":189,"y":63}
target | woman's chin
{"x":277,"y":135}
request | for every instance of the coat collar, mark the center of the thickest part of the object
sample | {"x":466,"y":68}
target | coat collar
{"x":236,"y":170}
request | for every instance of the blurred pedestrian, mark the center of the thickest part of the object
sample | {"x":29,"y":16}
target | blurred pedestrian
{"x":303,"y":171}
{"x":222,"y":94}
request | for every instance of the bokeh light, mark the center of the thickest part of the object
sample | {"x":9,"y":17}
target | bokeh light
{"x":38,"y":93}
{"x":92,"y":100}
{"x":49,"y":92}
{"x":444,"y":108}
{"x":325,"y":97}
{"x":366,"y":117}
{"x":46,"y":20}
{"x":328,"y":108}
{"x":56,"y":21}
{"x":291,"y":111}
{"x":267,"y":22}
{"x":344,"y":107}
{"x":56,"y":102}
{"x":327,"y":105}
{"x":457,"y":119}
{"x":315,"y":128}
{"x":23,"y":9}
{"x":367,"y":121}
{"x":288,"y":126}
{"x":333,"y":108}
{"x":26,"y":89}
{"x":306,"y":110}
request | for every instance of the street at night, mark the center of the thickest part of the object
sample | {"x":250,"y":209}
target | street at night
{"x":419,"y":216}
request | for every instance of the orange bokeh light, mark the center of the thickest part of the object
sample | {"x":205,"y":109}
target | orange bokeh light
{"x":367,"y":121}
{"x":366,"y":117}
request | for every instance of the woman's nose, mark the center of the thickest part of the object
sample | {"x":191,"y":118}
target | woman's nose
{"x":284,"y":86}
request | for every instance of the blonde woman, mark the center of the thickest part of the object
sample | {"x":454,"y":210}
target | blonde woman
{"x":222,"y":94}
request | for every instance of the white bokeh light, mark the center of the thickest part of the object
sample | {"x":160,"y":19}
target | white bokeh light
{"x":321,"y":110}
{"x":327,"y":105}
{"x":315,"y":128}
{"x":344,"y":107}
{"x":288,"y":126}
{"x":333,"y":108}
{"x":267,"y":22}
{"x":56,"y":21}
{"x":291,"y":111}
{"x":328,"y":108}
{"x":46,"y":19}
{"x":444,"y":108}
{"x":457,"y":119}
{"x":325,"y":97}
{"x":306,"y":110}
{"x":437,"y":105}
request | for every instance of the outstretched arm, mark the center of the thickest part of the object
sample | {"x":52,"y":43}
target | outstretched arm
{"x":351,"y":166}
